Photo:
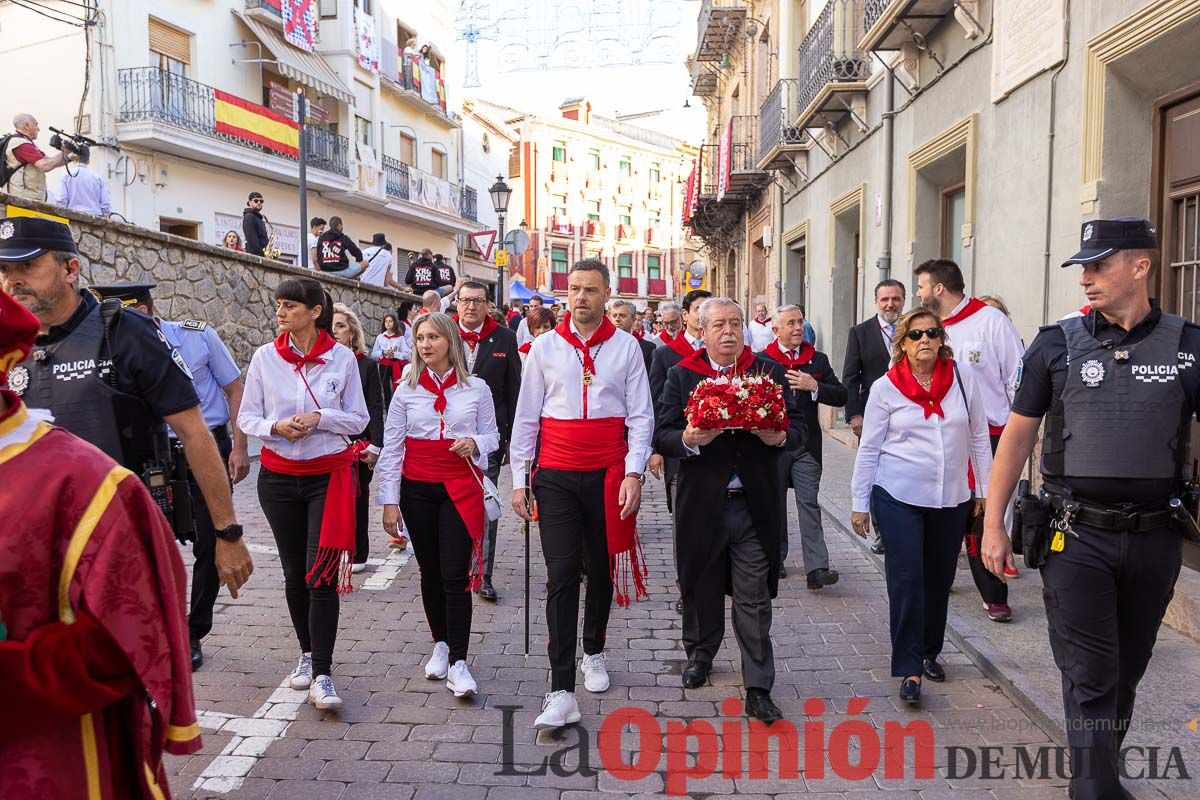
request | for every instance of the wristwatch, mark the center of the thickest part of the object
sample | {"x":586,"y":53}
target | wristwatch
{"x":641,"y":476}
{"x":231,"y":534}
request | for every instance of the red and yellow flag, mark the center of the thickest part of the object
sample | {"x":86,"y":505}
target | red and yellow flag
{"x":254,"y":123}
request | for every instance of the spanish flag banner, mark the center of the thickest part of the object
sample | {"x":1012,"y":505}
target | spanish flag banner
{"x":254,"y":123}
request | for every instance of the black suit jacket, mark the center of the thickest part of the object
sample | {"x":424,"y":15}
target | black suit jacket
{"x":830,"y":392}
{"x":498,"y":363}
{"x":648,"y":356}
{"x":661,"y":362}
{"x":700,"y":496}
{"x":867,"y":360}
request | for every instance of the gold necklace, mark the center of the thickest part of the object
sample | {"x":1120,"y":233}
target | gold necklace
{"x":925,"y":382}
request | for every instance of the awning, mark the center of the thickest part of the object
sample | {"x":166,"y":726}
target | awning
{"x":519,"y":291}
{"x":292,"y":62}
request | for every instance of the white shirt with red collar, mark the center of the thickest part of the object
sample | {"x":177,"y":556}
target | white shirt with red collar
{"x":987,"y":345}
{"x":552,"y":386}
{"x":761,"y":334}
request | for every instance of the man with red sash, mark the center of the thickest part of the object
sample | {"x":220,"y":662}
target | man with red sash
{"x":813,"y":380}
{"x":729,"y":509}
{"x":986,"y":342}
{"x":94,"y":652}
{"x":492,"y":355}
{"x":584,"y":391}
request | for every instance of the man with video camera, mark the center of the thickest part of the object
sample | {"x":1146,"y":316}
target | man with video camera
{"x":23,"y":166}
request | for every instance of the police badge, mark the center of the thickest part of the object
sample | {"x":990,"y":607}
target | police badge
{"x":1092,"y":373}
{"x":7,"y":230}
{"x":18,"y":379}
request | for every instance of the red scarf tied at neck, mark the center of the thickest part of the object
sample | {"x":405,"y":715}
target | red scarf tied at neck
{"x":601,"y":335}
{"x":930,"y":400}
{"x":471,"y":337}
{"x":775,"y":353}
{"x":321,"y":346}
{"x":973,"y":304}
{"x":525,"y":348}
{"x":698,"y":362}
{"x":681,"y":345}
{"x":436,"y":388}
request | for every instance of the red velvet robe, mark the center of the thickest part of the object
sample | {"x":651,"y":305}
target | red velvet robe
{"x":95,"y":667}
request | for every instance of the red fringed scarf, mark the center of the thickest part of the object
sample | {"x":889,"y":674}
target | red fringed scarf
{"x":471,"y":338}
{"x":430,"y":461}
{"x":698,"y":362}
{"x":973,"y":304}
{"x":681,"y":345}
{"x":321,"y":346}
{"x":930,"y":401}
{"x":775,"y":352}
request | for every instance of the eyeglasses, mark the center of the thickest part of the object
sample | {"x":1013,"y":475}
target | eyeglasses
{"x":933,"y":333}
{"x":472,"y":301}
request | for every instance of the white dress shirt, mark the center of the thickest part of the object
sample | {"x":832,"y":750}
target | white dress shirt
{"x":552,"y":386}
{"x":523,"y":334}
{"x":400,"y":342}
{"x":82,"y":190}
{"x":276,"y":391}
{"x":919,"y":461}
{"x":888,"y":331}
{"x":987,"y":345}
{"x":761,"y":335}
{"x":469,"y":412}
{"x":379,"y":264}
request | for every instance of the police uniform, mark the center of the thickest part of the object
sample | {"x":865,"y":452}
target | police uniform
{"x":212,"y":368}
{"x":1118,"y":407}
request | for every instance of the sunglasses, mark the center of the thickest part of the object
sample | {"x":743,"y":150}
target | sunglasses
{"x":933,"y":333}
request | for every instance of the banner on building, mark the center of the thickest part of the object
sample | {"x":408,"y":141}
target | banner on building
{"x":689,"y":195}
{"x":427,"y":81}
{"x":300,"y":25}
{"x":432,"y":192}
{"x":724,"y":160}
{"x":287,"y":237}
{"x":366,"y":43}
{"x":254,"y":123}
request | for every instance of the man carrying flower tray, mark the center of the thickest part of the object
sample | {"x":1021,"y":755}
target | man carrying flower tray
{"x":729,"y":416}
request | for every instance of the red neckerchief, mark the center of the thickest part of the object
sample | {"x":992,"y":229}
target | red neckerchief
{"x":973,"y":304}
{"x":681,"y":345}
{"x":471,"y":337}
{"x":1086,"y":310}
{"x":430,"y":384}
{"x":602,"y":334}
{"x":775,"y":352}
{"x":321,"y":346}
{"x":639,"y":332}
{"x":762,"y":321}
{"x":391,"y":335}
{"x":930,"y":401}
{"x":665,"y":337}
{"x":358,"y":356}
{"x":698,"y":362}
{"x":525,"y":348}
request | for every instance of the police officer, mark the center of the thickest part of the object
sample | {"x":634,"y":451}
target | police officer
{"x":218,"y":382}
{"x":110,"y":379}
{"x":1118,"y":388}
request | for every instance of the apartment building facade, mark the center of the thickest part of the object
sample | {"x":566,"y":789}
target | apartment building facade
{"x":200,"y":99}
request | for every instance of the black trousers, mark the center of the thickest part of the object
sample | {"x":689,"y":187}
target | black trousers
{"x":991,"y":589}
{"x":1105,"y":595}
{"x":922,"y":556}
{"x":443,"y":549}
{"x":571,"y":524}
{"x":489,"y":540}
{"x":293,"y":505}
{"x":362,"y":514}
{"x":206,"y":584}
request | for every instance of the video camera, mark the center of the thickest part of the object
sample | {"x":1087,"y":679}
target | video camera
{"x":75,"y":143}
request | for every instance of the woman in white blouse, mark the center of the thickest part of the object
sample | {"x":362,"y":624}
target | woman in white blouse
{"x":440,"y":428}
{"x":304,"y":400}
{"x":539,"y":320}
{"x":923,"y":425}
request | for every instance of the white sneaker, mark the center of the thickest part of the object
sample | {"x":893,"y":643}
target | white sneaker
{"x":558,"y":709}
{"x":595,"y":675}
{"x":357,"y":568}
{"x":301,"y":677}
{"x":323,"y":695}
{"x":460,"y":681}
{"x":438,"y":663}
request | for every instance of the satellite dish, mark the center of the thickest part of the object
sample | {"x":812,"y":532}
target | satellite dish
{"x":697,"y":268}
{"x":516,"y":242}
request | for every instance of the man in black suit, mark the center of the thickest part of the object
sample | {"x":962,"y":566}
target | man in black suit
{"x":869,"y":356}
{"x":728,"y":510}
{"x":492,"y":355}
{"x":812,"y":378}
{"x":624,"y":315}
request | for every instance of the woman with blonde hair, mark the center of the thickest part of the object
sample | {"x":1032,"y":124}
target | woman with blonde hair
{"x":924,"y":426}
{"x":440,"y":428}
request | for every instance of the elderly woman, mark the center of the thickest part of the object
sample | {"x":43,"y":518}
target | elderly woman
{"x":924,"y":424}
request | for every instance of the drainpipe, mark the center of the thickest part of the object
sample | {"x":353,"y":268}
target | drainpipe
{"x":781,"y":251}
{"x":884,"y":263}
{"x":1050,"y":167}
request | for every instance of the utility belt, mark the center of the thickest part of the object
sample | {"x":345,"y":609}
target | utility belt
{"x":1043,"y":521}
{"x":164,"y":474}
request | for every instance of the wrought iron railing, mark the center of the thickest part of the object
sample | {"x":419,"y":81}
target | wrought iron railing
{"x":743,"y":154}
{"x":873,"y":10}
{"x":395,"y":174}
{"x":829,"y":53}
{"x":153,"y":94}
{"x":776,"y":118}
{"x":470,"y":204}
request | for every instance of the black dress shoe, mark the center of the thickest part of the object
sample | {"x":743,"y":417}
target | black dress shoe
{"x":695,"y":675}
{"x":760,"y":706}
{"x":933,"y":670}
{"x":782,"y":572}
{"x":910,"y":691}
{"x":877,"y":546}
{"x":197,"y":654}
{"x":679,"y":606}
{"x":820,"y":578}
{"x":487,"y":591}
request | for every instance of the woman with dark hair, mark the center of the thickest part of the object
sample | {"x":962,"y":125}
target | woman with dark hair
{"x":923,"y":428}
{"x":304,"y":400}
{"x":392,"y":349}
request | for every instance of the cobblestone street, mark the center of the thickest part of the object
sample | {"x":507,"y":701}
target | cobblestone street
{"x":401,"y":736}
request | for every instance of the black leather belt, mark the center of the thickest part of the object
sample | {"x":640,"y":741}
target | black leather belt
{"x":1114,"y":519}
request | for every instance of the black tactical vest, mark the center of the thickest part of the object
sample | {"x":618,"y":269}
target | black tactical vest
{"x":71,"y":379}
{"x":1123,"y":412}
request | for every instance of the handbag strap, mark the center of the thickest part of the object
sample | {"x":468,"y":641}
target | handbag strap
{"x":970,"y":426}
{"x":317,"y":402}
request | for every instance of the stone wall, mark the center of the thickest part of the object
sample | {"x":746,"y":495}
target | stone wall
{"x":233,"y":292}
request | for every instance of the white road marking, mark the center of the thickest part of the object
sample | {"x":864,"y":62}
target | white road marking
{"x":261,"y":548}
{"x":251,"y":738}
{"x":389,"y":568}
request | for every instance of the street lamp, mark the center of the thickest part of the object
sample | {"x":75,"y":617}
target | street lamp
{"x":500,"y":194}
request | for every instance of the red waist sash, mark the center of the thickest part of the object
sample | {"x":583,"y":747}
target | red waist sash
{"x":430,"y":461}
{"x":584,"y":445}
{"x":336,"y":545}
{"x":396,"y":365}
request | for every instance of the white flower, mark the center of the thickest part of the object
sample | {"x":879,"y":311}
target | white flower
{"x":762,"y":412}
{"x":724,"y":413}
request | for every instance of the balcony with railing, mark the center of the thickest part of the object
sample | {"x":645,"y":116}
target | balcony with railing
{"x":152,"y":95}
{"x":268,"y":10}
{"x":592,"y":229}
{"x":627,"y":285}
{"x":558,"y":281}
{"x":557,"y":223}
{"x":833,"y":69}
{"x":656,"y":287}
{"x":718,"y":26}
{"x":470,"y":204}
{"x":779,"y":140}
{"x":404,"y":76}
{"x":654,"y":235}
{"x":395,"y":175}
{"x":626,"y":233}
{"x":895,"y":24}
{"x":744,"y":178}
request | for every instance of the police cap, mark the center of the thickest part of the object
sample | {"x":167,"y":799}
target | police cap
{"x":1100,"y":238}
{"x":130,"y":293}
{"x":26,"y":238}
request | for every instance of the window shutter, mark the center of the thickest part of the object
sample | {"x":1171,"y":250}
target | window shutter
{"x":170,"y":42}
{"x":514,"y":161}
